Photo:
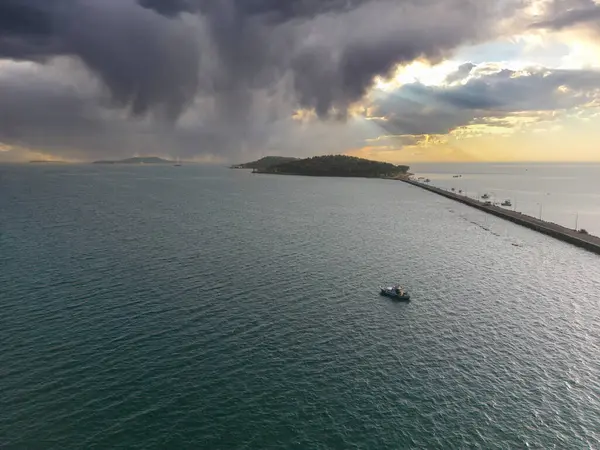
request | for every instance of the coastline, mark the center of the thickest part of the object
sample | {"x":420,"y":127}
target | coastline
{"x":400,"y":177}
{"x":586,"y":241}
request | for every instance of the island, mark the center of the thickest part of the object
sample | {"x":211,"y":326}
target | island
{"x":137,"y":160}
{"x":46,"y":161}
{"x":265,"y":163}
{"x":338,"y":166}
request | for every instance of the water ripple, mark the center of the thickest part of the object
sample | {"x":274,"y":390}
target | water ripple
{"x":246,"y":316}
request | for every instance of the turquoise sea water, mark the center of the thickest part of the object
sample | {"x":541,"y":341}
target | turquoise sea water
{"x":186,"y":307}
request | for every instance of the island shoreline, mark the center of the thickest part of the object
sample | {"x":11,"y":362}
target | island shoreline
{"x":258,"y":172}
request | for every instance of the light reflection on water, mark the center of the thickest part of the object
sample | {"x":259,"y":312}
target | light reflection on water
{"x":567,"y":194}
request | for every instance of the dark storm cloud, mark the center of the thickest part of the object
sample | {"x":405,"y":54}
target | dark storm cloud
{"x":27,"y":29}
{"x":563,"y":14}
{"x":144,"y":60}
{"x":40,"y":110}
{"x":43,"y":110}
{"x":140,"y":56}
{"x":339,"y":65}
{"x":18,"y":17}
{"x":273,"y":10}
{"x":237,"y":66}
{"x":334,"y":48}
{"x":170,"y":7}
{"x":486,"y":99}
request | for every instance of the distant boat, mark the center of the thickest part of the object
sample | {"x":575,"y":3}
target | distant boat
{"x":506,"y":203}
{"x":396,"y":291}
{"x":484,"y":196}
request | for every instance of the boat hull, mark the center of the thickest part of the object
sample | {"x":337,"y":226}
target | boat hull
{"x":391,"y":294}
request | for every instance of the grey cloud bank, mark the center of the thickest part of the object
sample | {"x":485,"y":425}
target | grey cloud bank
{"x":194,"y":77}
{"x":564,"y":14}
{"x":486,"y":98}
{"x":145,"y":61}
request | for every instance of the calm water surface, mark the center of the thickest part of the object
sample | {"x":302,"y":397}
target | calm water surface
{"x":567,"y":194}
{"x":164,"y":307}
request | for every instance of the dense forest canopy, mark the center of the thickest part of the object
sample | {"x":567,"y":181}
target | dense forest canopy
{"x":266,"y":162}
{"x":339,"y":166}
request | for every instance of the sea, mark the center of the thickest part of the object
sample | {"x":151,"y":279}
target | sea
{"x":151,"y":307}
{"x":566,"y":194}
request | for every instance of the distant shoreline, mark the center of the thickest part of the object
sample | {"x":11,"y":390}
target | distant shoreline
{"x":382,"y":177}
{"x":137,"y":160}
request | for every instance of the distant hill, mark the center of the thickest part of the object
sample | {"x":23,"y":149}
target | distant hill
{"x":338,"y":166}
{"x":137,"y":160}
{"x":265,"y":163}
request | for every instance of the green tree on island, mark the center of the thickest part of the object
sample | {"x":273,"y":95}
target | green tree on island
{"x":338,"y":166}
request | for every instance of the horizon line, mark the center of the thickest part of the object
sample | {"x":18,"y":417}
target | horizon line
{"x":397,"y":163}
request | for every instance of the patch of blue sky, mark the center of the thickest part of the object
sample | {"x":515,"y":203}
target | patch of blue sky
{"x":515,"y":51}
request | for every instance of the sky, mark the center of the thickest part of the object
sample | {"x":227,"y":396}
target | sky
{"x":220,"y":81}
